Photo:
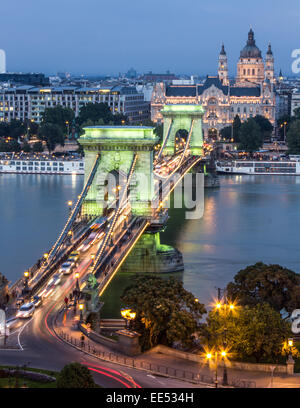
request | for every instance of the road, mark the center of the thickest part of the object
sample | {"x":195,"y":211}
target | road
{"x":38,"y":346}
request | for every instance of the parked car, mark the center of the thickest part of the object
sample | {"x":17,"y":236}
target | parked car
{"x":26,"y":310}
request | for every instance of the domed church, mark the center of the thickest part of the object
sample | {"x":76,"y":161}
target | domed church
{"x":251,"y":93}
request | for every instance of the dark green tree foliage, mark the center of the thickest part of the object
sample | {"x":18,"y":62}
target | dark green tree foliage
{"x":75,"y":375}
{"x":16,"y":128}
{"x":226,"y":133}
{"x":11,"y":146}
{"x":92,"y":113}
{"x":52,"y":134}
{"x":293,"y":137}
{"x":261,"y":283}
{"x":265,"y":125}
{"x":252,"y":333}
{"x":4,"y":129}
{"x":58,"y":116}
{"x":38,"y":147}
{"x":296,"y":115}
{"x":26,"y":147}
{"x":236,"y":128}
{"x":165,"y":311}
{"x":251,"y":137}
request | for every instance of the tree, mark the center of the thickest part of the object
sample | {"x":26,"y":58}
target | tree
{"x":265,"y":125}
{"x":4,"y":129}
{"x":59,"y":116}
{"x":75,"y":375}
{"x":293,"y":137}
{"x":38,"y":147}
{"x":226,"y":133}
{"x":296,"y":114}
{"x":236,"y":127}
{"x":256,"y":332}
{"x":16,"y":129}
{"x":165,"y":311}
{"x":52,"y":134}
{"x":272,"y":284}
{"x":251,"y":137}
{"x":94,"y":112}
{"x":32,"y":128}
{"x":26,"y":147}
{"x":9,"y":146}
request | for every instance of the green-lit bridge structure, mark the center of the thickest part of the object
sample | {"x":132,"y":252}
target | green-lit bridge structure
{"x":123,"y":183}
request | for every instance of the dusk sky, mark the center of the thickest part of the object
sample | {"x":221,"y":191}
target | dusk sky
{"x":108,"y":37}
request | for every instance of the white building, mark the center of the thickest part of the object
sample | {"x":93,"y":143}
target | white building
{"x":295,"y":100}
{"x":29,"y":102}
{"x":2,"y":62}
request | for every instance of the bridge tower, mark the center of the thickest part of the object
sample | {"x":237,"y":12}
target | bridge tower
{"x":117,"y":146}
{"x":187,"y":117}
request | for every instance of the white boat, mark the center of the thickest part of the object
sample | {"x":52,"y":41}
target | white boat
{"x":260,"y":167}
{"x":40,"y":164}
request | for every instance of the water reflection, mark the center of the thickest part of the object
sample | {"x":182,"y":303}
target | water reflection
{"x":248,"y":219}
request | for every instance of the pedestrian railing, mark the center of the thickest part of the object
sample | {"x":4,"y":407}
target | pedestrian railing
{"x":153,"y":368}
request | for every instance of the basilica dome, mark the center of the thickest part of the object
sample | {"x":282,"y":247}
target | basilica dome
{"x":250,"y":50}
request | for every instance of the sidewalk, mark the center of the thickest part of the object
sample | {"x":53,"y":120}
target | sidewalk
{"x":173,"y":366}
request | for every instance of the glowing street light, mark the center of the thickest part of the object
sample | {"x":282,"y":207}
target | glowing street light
{"x":128,"y":315}
{"x":81,"y":306}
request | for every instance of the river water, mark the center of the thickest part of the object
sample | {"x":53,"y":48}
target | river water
{"x":248,"y":219}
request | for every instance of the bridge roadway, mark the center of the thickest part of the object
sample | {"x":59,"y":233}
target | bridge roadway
{"x":34,"y":342}
{"x":36,"y":339}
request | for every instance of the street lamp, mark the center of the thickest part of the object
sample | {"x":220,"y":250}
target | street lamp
{"x":128,"y":315}
{"x":81,"y":306}
{"x":70,"y":203}
{"x":92,"y":258}
{"x":209,"y":357}
{"x":26,"y":276}
{"x":68,"y":126}
{"x":77,"y":280}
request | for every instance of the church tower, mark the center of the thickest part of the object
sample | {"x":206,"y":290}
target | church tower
{"x":269,"y":66}
{"x":250,"y":67}
{"x":223,"y":67}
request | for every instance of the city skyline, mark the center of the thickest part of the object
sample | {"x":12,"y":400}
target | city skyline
{"x":168,"y":37}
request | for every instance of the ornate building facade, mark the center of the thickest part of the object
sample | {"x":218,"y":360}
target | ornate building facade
{"x":251,"y":93}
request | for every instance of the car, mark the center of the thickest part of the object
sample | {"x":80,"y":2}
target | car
{"x":66,"y":268}
{"x":47,"y":291}
{"x":20,"y":301}
{"x":26,"y":310}
{"x":74,"y":255}
{"x":72,"y":259}
{"x":36,"y":300}
{"x":55,"y":280}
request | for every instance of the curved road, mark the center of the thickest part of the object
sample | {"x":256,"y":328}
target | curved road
{"x":38,"y":346}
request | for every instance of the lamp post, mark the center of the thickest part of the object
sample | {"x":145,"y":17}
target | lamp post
{"x":284,"y":130}
{"x":81,"y":306}
{"x":93,"y":259}
{"x":68,"y":127}
{"x":128,"y":315}
{"x":70,"y":203}
{"x":77,"y":281}
{"x":226,"y":308}
{"x":26,"y":277}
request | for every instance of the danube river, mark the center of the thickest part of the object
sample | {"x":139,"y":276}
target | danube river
{"x":248,"y":219}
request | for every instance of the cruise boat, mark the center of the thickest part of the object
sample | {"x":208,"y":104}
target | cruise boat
{"x":40,"y":164}
{"x":286,"y":167}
